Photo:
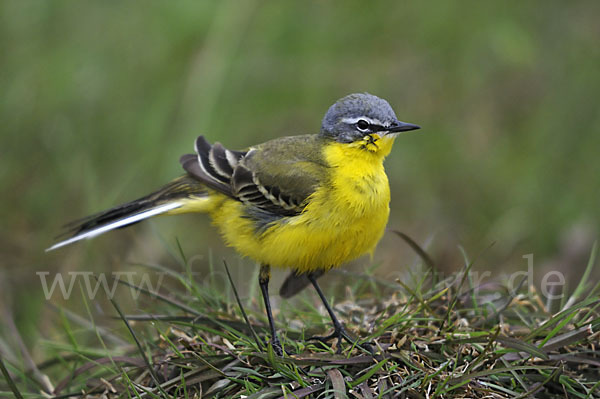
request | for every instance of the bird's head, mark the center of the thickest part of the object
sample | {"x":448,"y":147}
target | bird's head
{"x":363,"y":120}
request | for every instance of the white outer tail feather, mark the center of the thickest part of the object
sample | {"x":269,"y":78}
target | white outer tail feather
{"x":119,"y":223}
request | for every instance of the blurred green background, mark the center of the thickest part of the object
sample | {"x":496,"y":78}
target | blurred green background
{"x":99,"y":99}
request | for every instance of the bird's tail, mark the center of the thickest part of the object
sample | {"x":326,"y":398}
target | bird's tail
{"x":182,"y":195}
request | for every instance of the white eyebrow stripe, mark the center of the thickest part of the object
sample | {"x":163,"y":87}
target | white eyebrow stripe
{"x":372,"y":121}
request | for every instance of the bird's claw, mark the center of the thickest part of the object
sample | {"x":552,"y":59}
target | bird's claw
{"x":340,"y":333}
{"x":277,"y":348}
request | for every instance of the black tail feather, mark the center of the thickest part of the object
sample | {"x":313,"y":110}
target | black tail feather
{"x":296,"y":282}
{"x":180,"y":188}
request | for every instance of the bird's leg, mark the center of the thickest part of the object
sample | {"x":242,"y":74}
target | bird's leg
{"x":339,"y":331}
{"x":263,"y":279}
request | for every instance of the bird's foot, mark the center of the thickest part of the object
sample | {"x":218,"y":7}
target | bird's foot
{"x":276,"y":345}
{"x":341,"y":334}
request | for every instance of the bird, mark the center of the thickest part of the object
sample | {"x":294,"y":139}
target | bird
{"x":308,"y":203}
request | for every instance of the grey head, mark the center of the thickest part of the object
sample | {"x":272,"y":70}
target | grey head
{"x":357,"y":115}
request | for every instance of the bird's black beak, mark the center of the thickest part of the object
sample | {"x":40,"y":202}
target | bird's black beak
{"x":398,"y":127}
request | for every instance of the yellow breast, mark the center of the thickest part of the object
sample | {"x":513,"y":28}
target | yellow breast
{"x":344,"y":218}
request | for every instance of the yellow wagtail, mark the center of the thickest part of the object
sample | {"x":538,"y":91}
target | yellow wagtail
{"x":309,"y":203}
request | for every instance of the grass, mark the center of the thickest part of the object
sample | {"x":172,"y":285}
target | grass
{"x":434,"y":337}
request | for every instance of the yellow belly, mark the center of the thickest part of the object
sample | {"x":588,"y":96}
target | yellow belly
{"x":343,"y":220}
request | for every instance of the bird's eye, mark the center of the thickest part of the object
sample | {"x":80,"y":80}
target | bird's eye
{"x":362,"y":125}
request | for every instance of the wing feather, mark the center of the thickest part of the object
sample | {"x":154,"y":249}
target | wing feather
{"x":243,"y":175}
{"x":218,"y":160}
{"x":191,"y":165}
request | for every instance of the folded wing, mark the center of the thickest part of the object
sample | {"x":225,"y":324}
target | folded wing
{"x":274,"y":176}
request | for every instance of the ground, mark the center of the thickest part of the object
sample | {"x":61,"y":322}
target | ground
{"x":431,"y":337}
